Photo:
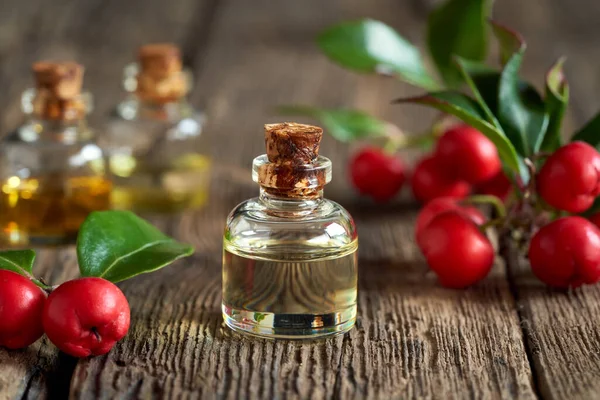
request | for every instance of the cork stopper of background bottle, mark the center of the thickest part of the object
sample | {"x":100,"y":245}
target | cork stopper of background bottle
{"x":160,"y":77}
{"x":58,"y":90}
{"x":291,"y":149}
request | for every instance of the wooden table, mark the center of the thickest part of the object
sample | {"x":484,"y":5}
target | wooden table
{"x":509,"y":337}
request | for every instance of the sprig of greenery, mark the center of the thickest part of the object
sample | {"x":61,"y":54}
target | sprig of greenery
{"x":455,"y":28}
{"x":114,"y":245}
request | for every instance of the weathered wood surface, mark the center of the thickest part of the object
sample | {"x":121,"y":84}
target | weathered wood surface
{"x":562,"y":330}
{"x":413,"y":338}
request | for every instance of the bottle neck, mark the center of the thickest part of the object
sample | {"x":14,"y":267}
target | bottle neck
{"x":55,"y":120}
{"x":138,"y":108}
{"x":290,"y":202}
{"x":36,"y":129}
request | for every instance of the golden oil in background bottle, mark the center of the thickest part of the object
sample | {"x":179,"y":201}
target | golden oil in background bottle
{"x":289,"y":256}
{"x":51,"y":169}
{"x":156,"y":150}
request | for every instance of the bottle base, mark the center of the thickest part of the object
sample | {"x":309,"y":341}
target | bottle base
{"x":289,"y":326}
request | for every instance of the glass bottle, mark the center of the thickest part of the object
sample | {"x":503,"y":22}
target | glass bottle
{"x":51,"y":170}
{"x":289,"y":258}
{"x":155,"y":145}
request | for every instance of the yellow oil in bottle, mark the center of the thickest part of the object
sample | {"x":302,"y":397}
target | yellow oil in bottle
{"x":287,"y":292}
{"x":143,"y":187}
{"x":49,"y":209}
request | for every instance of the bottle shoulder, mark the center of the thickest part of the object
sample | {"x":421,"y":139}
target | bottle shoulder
{"x":135,"y":126}
{"x":50,"y":134}
{"x":252,"y":225}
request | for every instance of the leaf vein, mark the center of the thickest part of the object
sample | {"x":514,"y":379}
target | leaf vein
{"x":16,"y":265}
{"x":132,"y":253}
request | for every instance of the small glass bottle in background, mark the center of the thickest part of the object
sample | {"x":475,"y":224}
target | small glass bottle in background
{"x":51,"y":170}
{"x":156,"y":150}
{"x":289,"y":257}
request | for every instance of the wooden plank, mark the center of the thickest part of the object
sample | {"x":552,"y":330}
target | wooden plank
{"x":34,"y":372}
{"x":413,"y":339}
{"x":561,"y":329}
{"x":101,"y":36}
{"x":562,"y":333}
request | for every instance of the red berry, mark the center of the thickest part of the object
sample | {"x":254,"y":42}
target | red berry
{"x":468,"y":153}
{"x":377,"y":174}
{"x":566,"y":253}
{"x":21,"y":306}
{"x":456,"y":250}
{"x":569,"y":180}
{"x":440,"y":205}
{"x":499,"y":185}
{"x":86,"y":316}
{"x":430,"y":180}
{"x":595,"y":219}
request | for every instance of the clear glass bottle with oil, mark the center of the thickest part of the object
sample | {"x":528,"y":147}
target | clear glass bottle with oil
{"x":158,"y":156}
{"x":51,"y":170}
{"x":290,"y":255}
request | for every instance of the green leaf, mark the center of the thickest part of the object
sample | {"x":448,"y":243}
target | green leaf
{"x":522,"y":113}
{"x":21,"y":262}
{"x":590,"y":132}
{"x":469,"y":70}
{"x":117,"y":245}
{"x":457,"y":27}
{"x":344,"y":125}
{"x":372,"y":46}
{"x":557,"y":99}
{"x":469,"y":111}
{"x":510,"y":42}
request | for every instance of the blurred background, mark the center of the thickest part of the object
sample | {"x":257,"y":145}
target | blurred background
{"x":249,"y":56}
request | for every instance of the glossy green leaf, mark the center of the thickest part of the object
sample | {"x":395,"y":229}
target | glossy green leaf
{"x":557,"y":99}
{"x":469,"y":70}
{"x":117,"y":245}
{"x":372,"y":46}
{"x":21,"y":262}
{"x":469,"y":111}
{"x":590,"y":132}
{"x":510,"y":42}
{"x":485,"y":82}
{"x":344,"y":125}
{"x":522,"y":113}
{"x":457,"y":28}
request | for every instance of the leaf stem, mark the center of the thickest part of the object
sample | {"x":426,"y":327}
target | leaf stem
{"x":491,"y":200}
{"x":530,"y":188}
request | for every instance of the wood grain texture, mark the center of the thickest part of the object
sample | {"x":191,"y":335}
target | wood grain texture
{"x":562,"y":329}
{"x":562,"y":333}
{"x":413,"y":338}
{"x":35,"y":372}
{"x":99,"y":35}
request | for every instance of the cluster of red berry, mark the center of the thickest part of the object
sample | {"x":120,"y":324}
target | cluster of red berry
{"x":464,"y":161}
{"x":451,"y":233}
{"x":81,"y":317}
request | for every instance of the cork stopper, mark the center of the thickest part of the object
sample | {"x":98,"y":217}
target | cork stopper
{"x":160,"y":78}
{"x":293,"y":167}
{"x":159,"y":60}
{"x":62,"y":80}
{"x":58,"y":90}
{"x":292,"y":142}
